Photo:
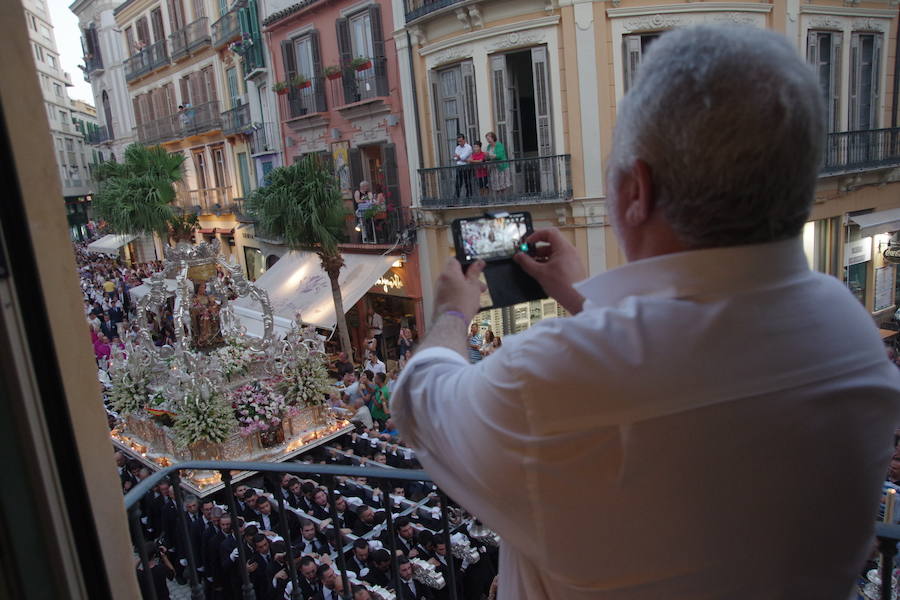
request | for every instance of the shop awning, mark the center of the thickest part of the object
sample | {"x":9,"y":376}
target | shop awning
{"x":110,"y":244}
{"x":208,"y":231}
{"x":224,"y":231}
{"x":297,"y":283}
{"x":883,"y":221}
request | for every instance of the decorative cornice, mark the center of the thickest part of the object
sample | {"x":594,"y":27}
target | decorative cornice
{"x":848,"y":11}
{"x":704,"y":7}
{"x":481,"y":34}
{"x":286,"y":12}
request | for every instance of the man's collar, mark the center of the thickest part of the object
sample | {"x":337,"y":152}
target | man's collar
{"x":696,"y":273}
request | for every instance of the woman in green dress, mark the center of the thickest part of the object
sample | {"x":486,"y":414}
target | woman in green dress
{"x":501,"y":178}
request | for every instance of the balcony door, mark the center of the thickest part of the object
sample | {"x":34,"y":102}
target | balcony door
{"x":455,"y":108}
{"x":865,"y":61}
{"x":156,"y":22}
{"x":176,"y":15}
{"x":200,"y":169}
{"x":823,"y":52}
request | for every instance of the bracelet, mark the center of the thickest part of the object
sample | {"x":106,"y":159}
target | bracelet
{"x":456,"y":313}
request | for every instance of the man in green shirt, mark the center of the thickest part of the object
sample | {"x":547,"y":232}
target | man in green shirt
{"x":380,"y":404}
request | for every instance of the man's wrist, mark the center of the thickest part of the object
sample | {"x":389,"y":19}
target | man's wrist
{"x":453,"y":313}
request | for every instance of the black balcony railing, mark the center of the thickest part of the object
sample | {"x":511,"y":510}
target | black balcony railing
{"x":304,"y":100}
{"x":356,"y":86}
{"x":264,"y":137}
{"x":379,"y":225}
{"x":853,"y":151}
{"x":420,"y":8}
{"x":517,"y":181}
{"x":190,"y":38}
{"x":236,"y":120}
{"x":97,"y":136}
{"x":192,"y":120}
{"x":206,"y":201}
{"x":328,"y":477}
{"x":227,"y":29}
{"x":146,"y":60}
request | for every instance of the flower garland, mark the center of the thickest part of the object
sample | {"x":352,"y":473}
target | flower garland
{"x":257,"y":407}
{"x":203,"y":415}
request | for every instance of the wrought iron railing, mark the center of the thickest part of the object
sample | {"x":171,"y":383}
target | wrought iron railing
{"x":206,"y":201}
{"x":192,"y":120}
{"x":853,"y":151}
{"x":517,"y":181}
{"x":226,"y":29}
{"x":358,"y":85}
{"x":301,"y":101}
{"x":93,"y":62}
{"x":264,"y":137}
{"x":193,"y":36}
{"x":379,"y":225}
{"x":97,"y":136}
{"x":146,"y":60}
{"x":328,"y":476}
{"x":420,"y":8}
{"x":236,"y":120}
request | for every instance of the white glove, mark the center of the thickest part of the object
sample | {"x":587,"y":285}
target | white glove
{"x":233,"y":556}
{"x":200,"y":569}
{"x":209,"y":579}
{"x":144,"y":520}
{"x":183,"y":562}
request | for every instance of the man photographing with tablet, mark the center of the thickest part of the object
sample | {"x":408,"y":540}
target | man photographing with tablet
{"x":714,"y":420}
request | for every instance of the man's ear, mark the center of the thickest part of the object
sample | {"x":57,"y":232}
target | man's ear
{"x":636,"y":194}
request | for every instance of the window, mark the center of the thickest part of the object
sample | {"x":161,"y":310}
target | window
{"x":865,"y":60}
{"x":107,"y":114}
{"x":455,"y":106}
{"x":130,"y":46}
{"x":58,"y":89}
{"x":156,"y":21}
{"x":361,"y":35}
{"x":51,"y":60}
{"x":233,"y":87}
{"x":521,"y":102}
{"x":70,"y":146}
{"x":634,"y":48}
{"x":303,"y":50}
{"x":823,"y":52}
{"x":38,"y":53}
{"x":200,"y":166}
{"x":219,"y":171}
{"x":45,"y":31}
{"x":64,"y":119}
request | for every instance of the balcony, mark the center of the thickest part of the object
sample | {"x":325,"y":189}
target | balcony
{"x":855,"y":151}
{"x":265,"y":138}
{"x":93,"y":62}
{"x":517,"y":181}
{"x":419,"y":8}
{"x":206,"y":201}
{"x":355,"y":86}
{"x":190,"y":38}
{"x":236,"y":120}
{"x":148,"y":59}
{"x":299,"y":102}
{"x":227,"y":29}
{"x":97,"y":136}
{"x":379,"y":227}
{"x":428,"y":509}
{"x":193,"y":120}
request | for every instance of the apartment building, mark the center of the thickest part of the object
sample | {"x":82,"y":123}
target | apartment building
{"x":70,"y":121}
{"x":546,"y":75}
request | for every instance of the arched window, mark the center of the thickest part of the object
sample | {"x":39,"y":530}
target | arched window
{"x":107,"y":116}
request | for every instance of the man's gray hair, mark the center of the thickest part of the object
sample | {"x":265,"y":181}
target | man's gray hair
{"x":731,"y":122}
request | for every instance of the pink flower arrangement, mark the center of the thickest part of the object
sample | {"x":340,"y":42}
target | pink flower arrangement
{"x":257,"y":407}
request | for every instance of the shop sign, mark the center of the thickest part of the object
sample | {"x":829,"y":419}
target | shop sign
{"x":858,"y":251}
{"x":390,"y":283}
{"x":892,"y":254}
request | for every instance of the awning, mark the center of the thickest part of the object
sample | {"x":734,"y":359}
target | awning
{"x":224,"y":231}
{"x":209,"y":231}
{"x":139,"y":291}
{"x":883,"y":221}
{"x":110,"y":244}
{"x":297,"y":283}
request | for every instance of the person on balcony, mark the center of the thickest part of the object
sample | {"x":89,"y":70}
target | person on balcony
{"x":716,"y":351}
{"x":500,"y":177}
{"x":461,"y":156}
{"x":481,"y":171}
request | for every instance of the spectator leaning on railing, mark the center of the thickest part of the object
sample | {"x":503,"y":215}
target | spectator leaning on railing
{"x":726,"y":412}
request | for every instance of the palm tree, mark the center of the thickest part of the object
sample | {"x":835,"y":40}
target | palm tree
{"x":302,"y":205}
{"x":136,"y":196}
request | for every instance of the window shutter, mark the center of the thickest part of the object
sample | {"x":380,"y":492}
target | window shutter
{"x":499,"y":78}
{"x":185,"y":88}
{"x":156,"y":21}
{"x":812,"y":48}
{"x":136,"y":107}
{"x":854,"y":81}
{"x":356,"y":169}
{"x":199,"y":9}
{"x":318,"y":82}
{"x":632,"y":58}
{"x":379,"y":61}
{"x":543,"y":115}
{"x":874,"y":119}
{"x":176,"y":15}
{"x":345,"y":49}
{"x":469,"y":101}
{"x":171,"y":106}
{"x":143,"y":32}
{"x":391,"y":181}
{"x":834,"y":101}
{"x":288,"y":59}
{"x":198,"y":94}
{"x":209,"y":84}
{"x":436,"y":118}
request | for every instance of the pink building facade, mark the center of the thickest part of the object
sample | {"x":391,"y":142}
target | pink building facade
{"x":336,"y":65}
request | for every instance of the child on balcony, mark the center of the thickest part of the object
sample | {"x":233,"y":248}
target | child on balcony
{"x":481,"y":173}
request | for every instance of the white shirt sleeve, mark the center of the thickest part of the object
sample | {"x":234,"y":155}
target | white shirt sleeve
{"x":465,"y":152}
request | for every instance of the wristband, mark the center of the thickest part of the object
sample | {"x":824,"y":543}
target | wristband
{"x":456,"y":313}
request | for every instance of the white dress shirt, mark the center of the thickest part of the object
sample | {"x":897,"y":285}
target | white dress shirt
{"x":462,"y":154}
{"x":713,"y":424}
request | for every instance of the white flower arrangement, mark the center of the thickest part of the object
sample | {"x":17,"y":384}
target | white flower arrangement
{"x":305,"y":382}
{"x":203,"y":415}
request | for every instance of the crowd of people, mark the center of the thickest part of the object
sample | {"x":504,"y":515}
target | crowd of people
{"x":357,"y":539}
